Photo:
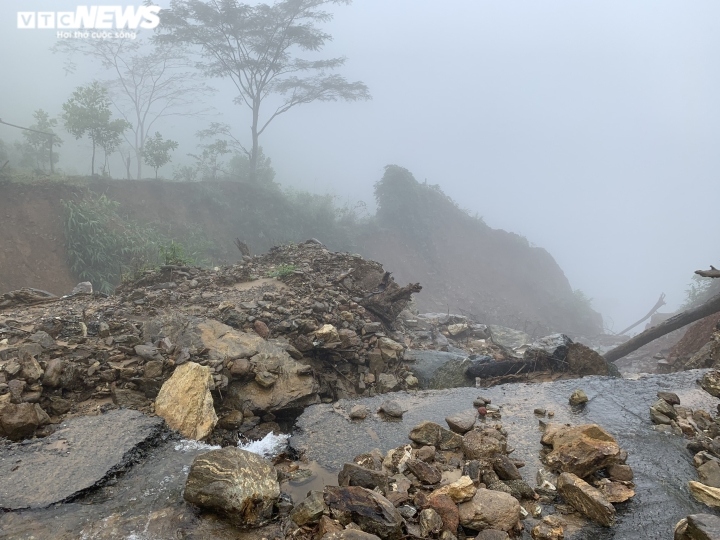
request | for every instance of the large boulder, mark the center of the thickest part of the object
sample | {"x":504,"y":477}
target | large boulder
{"x":235,"y":483}
{"x":438,"y":369}
{"x":272,"y":380}
{"x":490,"y":509}
{"x":550,"y":351}
{"x":185,"y":401}
{"x":19,"y":421}
{"x":507,"y":337}
{"x":586,"y":499}
{"x":580,"y":450}
{"x":373,"y":512}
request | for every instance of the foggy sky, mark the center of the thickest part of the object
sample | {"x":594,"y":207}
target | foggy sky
{"x":591,"y":128}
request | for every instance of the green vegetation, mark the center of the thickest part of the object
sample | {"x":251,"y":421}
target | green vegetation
{"x":35,"y":149}
{"x":87,"y":113}
{"x":699,"y":290}
{"x":156,"y":152}
{"x":105,"y":247}
{"x":282,"y":271}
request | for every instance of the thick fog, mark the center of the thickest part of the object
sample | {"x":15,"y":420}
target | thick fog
{"x":591,"y":128}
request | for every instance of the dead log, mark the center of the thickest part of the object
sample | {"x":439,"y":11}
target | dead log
{"x":390,"y":299}
{"x":673,"y":323}
{"x":660,"y":303}
{"x":712,"y":273}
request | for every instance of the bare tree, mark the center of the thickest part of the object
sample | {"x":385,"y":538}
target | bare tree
{"x":148,"y":82}
{"x":254,"y":45}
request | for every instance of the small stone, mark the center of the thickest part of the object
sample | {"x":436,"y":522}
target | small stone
{"x":430,"y":522}
{"x":540,"y":412}
{"x":261,"y":329}
{"x":358,"y":412}
{"x":462,"y":422}
{"x":578,"y":397}
{"x":549,"y":528}
{"x":426,"y":473}
{"x":265,"y":379}
{"x":622,"y":473}
{"x":391,"y":408}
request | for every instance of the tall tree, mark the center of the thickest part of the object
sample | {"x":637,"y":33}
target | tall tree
{"x":148,"y":82}
{"x":254,"y":46}
{"x":87,"y":112}
{"x":157,"y":151}
{"x":35,"y":150}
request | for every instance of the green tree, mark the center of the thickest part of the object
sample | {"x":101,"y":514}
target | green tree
{"x":35,"y":150}
{"x":254,"y":46}
{"x":147,"y":82}
{"x":157,"y":151}
{"x":239,"y":168}
{"x":87,"y":113}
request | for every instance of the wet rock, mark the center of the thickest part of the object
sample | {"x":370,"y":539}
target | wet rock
{"x":505,"y":468}
{"x":477,"y":445}
{"x":237,"y":484}
{"x":430,"y":522}
{"x":185,"y":401}
{"x":232,"y":420}
{"x":438,"y":369}
{"x":582,"y":360}
{"x":432,"y":434}
{"x":622,"y":473}
{"x":615,"y":492}
{"x":670,"y":397}
{"x":586,"y":499}
{"x":309,"y":510}
{"x":391,"y":408}
{"x":710,"y":382}
{"x":355,"y":475}
{"x":358,"y":412}
{"x":578,"y":397}
{"x":698,"y":527}
{"x":370,"y":510}
{"x":490,"y":510}
{"x":81,"y":453}
{"x":426,"y":473}
{"x":705,"y":494}
{"x":664,"y":408}
{"x":709,"y":473}
{"x":549,"y":528}
{"x":580,"y":450}
{"x":462,"y":422}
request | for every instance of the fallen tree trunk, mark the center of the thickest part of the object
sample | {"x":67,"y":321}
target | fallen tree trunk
{"x":673,"y":323}
{"x":660,"y":303}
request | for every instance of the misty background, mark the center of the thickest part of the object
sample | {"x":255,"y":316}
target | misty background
{"x":590,"y":128}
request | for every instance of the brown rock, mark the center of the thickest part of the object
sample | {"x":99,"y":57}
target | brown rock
{"x":477,"y":445}
{"x":426,"y":473}
{"x":130,"y":399}
{"x":153,"y":369}
{"x":19,"y":421}
{"x":549,"y":528}
{"x":622,"y":473}
{"x":238,"y":484}
{"x":261,"y":328}
{"x":582,"y":360}
{"x":447,"y":509}
{"x":616,"y":492}
{"x":586,"y":499}
{"x":53,"y":372}
{"x":370,"y":510}
{"x":490,"y":510}
{"x":459,"y":491}
{"x":705,"y":494}
{"x":185,"y":401}
{"x":580,"y":450}
{"x":355,"y":475}
{"x":432,"y":434}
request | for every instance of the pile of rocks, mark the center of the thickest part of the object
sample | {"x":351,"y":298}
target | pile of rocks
{"x":277,"y":332}
{"x":591,"y":468}
{"x":447,"y":482}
